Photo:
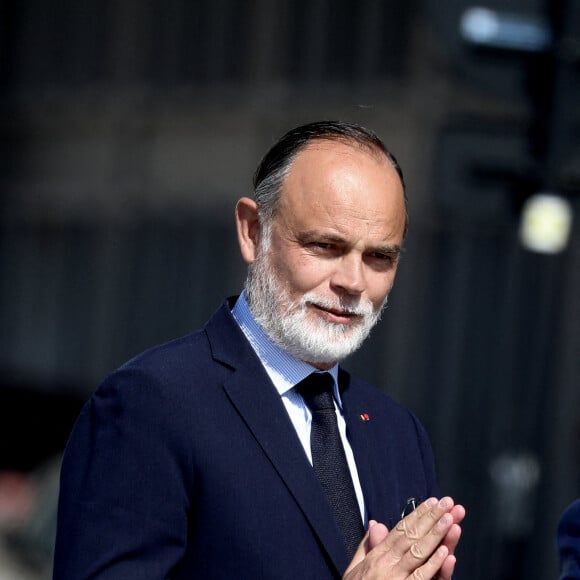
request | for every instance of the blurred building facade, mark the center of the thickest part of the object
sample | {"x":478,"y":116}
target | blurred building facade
{"x":129,"y":129}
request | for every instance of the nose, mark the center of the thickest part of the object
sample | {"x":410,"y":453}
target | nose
{"x":349,"y":274}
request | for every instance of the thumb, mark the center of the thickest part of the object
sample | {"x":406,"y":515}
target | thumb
{"x":376,"y":533}
{"x":361,"y":551}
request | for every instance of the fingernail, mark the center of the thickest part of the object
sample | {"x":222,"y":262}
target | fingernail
{"x":445,"y":503}
{"x":431,"y":502}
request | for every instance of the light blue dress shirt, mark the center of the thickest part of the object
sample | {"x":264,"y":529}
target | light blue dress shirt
{"x":286,"y":372}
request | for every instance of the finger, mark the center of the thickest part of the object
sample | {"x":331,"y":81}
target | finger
{"x":410,"y":526}
{"x":416,"y":537}
{"x":447,"y":568}
{"x":403,"y":554}
{"x":430,"y":511}
{"x":363,"y":548}
{"x":434,"y":565}
{"x":452,"y":538}
{"x":421,"y":550}
{"x":454,"y":534}
{"x":420,"y":522}
{"x":377,"y":533}
{"x":458,"y":513}
{"x":422,"y":509}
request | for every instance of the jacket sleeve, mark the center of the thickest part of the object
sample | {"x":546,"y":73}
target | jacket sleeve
{"x":125,"y":484}
{"x":569,"y":542}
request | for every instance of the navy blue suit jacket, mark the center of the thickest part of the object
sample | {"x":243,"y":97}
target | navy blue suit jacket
{"x":184,"y":464}
{"x":569,"y":542}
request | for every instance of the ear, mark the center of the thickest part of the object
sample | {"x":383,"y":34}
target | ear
{"x":248,"y":226}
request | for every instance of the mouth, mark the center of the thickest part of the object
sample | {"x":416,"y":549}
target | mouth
{"x":336,"y":315}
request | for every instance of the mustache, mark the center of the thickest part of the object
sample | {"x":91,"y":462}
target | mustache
{"x":352,"y":307}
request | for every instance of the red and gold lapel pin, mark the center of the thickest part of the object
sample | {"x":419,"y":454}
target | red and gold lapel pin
{"x":365,"y":417}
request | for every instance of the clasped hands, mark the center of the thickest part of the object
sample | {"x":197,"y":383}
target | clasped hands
{"x":420,"y":547}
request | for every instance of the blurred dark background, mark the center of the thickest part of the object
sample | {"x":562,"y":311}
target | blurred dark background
{"x":128,"y":129}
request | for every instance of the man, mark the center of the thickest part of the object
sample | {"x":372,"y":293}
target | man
{"x":201,"y":458}
{"x":569,"y":542}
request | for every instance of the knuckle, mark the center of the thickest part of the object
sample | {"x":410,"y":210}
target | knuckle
{"x":412,"y":533}
{"x":409,"y":531}
{"x":417,"y":552}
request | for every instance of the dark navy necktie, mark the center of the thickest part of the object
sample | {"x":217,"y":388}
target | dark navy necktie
{"x":329,"y":459}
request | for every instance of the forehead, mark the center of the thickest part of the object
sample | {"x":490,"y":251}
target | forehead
{"x":343,"y":186}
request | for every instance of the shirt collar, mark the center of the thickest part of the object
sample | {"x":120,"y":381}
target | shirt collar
{"x":284,"y":370}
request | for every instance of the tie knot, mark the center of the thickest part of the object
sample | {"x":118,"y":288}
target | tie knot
{"x":316,"y":390}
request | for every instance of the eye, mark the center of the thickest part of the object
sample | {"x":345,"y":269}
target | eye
{"x":322,"y":246}
{"x":324,"y":249}
{"x":382,"y":260}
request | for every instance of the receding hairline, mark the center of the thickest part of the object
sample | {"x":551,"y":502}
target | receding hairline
{"x":364,"y":142}
{"x":276,"y":164}
{"x":372,"y":149}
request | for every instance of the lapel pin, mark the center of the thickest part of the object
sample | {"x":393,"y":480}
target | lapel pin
{"x":365,"y":417}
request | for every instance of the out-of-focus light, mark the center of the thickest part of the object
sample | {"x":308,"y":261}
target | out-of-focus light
{"x":494,"y":29}
{"x":546,"y":223}
{"x":515,"y":477}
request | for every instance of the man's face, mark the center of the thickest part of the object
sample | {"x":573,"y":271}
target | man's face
{"x":321,"y":274}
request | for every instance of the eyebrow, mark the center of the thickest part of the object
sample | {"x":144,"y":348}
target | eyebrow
{"x":312,"y":235}
{"x":392,"y":249}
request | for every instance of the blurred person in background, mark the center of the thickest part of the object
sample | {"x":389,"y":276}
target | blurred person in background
{"x":202,"y":458}
{"x":28,"y":502}
{"x":35,"y":420}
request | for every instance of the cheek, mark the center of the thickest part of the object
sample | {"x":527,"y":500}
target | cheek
{"x":379,"y":288}
{"x":301,"y":273}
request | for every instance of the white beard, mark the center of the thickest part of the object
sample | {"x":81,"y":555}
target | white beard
{"x":292,"y":324}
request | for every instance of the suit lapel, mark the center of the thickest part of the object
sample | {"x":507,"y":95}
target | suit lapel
{"x":256,"y":400}
{"x":357,"y":433}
